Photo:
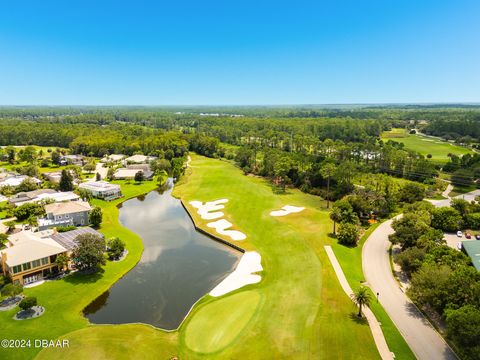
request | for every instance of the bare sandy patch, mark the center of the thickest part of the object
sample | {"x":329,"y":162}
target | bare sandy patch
{"x":286,"y":210}
{"x":209,"y":210}
{"x":221,"y":227}
{"x":250,"y":263}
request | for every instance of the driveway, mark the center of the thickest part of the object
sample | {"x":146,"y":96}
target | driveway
{"x":103,"y":171}
{"x":423,"y":339}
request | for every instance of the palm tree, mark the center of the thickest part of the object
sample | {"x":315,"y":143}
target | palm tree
{"x":327,"y":171}
{"x":361,"y":297}
{"x":335,"y":216}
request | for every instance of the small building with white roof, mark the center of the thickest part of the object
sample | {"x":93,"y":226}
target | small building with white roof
{"x":102,"y":189}
{"x":113,"y":158}
{"x":16,"y":180}
{"x":139,"y":159}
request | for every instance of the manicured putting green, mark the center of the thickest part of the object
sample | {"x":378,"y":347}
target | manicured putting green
{"x":218,"y":324}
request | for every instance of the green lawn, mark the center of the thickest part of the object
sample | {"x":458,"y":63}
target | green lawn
{"x":210,"y":316}
{"x":351,"y":261}
{"x":459,"y":190}
{"x":298,"y":310}
{"x":3,"y":212}
{"x":439,"y":149}
{"x":9,"y":167}
{"x":120,"y":342}
{"x":65,"y":299}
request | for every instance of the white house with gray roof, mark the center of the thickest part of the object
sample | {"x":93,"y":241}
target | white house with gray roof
{"x":74,"y":213}
{"x":102,"y":189}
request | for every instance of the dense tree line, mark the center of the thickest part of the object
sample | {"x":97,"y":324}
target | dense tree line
{"x":442,"y":278}
{"x":464,"y":130}
{"x":304,"y":169}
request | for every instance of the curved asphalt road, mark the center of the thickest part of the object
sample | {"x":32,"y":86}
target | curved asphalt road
{"x":423,"y":339}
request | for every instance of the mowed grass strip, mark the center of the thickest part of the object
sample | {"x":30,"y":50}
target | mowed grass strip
{"x":424,"y":145}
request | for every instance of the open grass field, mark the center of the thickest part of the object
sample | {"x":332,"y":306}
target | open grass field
{"x":424,"y":145}
{"x":298,"y":310}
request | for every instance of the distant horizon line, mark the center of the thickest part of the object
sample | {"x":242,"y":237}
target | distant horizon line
{"x":250,"y":105}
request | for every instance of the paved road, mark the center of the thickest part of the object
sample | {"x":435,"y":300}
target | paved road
{"x":422,"y":338}
{"x":470,"y":196}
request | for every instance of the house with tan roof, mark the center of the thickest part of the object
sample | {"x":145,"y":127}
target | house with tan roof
{"x":30,"y":256}
{"x":55,"y":176}
{"x":65,"y":214}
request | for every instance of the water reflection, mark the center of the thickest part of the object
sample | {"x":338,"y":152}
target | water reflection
{"x":178,"y":266}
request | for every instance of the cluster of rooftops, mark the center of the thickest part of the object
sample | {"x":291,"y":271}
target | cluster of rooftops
{"x":30,"y":256}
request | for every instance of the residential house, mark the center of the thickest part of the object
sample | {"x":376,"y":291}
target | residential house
{"x":113,"y":158}
{"x":102,"y":189}
{"x":30,"y":257}
{"x":25,"y":197}
{"x":78,"y":160}
{"x":55,"y":176}
{"x":131,"y":170}
{"x":15,"y":180}
{"x":47,"y":195}
{"x":472,"y":249}
{"x":139,"y":159}
{"x":73,"y":213}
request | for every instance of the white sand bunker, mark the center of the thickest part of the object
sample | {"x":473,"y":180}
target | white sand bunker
{"x":287,"y":209}
{"x":251,"y":262}
{"x":221,"y":227}
{"x":209,"y":210}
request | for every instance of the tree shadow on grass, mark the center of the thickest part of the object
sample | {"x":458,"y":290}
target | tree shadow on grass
{"x":355,"y":318}
{"x":333,"y":236}
{"x":348,"y":246}
{"x":279,"y":190}
{"x":84,"y":277}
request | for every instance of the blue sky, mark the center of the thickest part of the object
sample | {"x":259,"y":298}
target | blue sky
{"x":238,"y":52}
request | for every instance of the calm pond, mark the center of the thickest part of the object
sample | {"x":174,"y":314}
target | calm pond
{"x":178,"y":266}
